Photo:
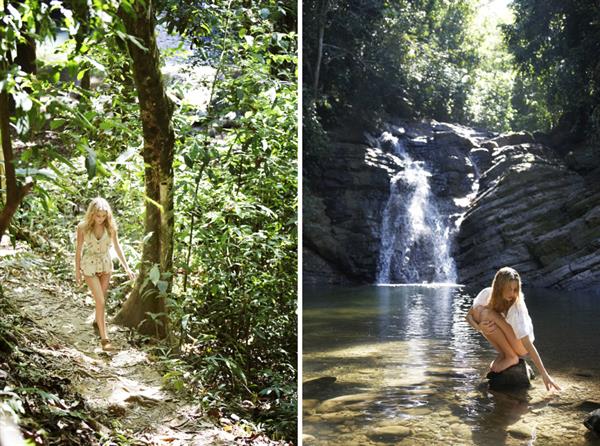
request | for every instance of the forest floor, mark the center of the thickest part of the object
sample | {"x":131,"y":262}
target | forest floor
{"x":120,"y":396}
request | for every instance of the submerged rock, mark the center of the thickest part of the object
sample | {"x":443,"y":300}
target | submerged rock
{"x":516,"y":377}
{"x":317,"y":386}
{"x":389,"y":433}
{"x":592,"y":422}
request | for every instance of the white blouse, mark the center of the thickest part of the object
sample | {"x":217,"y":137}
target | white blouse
{"x":517,"y":315}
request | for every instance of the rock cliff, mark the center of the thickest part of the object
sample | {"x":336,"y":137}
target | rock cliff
{"x":507,"y":199}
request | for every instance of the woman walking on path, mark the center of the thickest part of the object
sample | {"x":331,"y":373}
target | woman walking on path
{"x":95,"y":234}
{"x":500,"y":314}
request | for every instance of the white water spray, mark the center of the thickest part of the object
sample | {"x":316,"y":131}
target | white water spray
{"x":415,"y":245}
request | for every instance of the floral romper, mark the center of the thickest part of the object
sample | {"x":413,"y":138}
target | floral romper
{"x":96,"y":257}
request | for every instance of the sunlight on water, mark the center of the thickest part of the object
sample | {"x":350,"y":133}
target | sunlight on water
{"x":391,"y":363}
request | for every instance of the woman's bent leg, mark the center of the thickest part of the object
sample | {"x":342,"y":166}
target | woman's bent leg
{"x":93,"y":283}
{"x":507,"y":356}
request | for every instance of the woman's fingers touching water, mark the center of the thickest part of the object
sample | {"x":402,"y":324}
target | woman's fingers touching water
{"x":550,"y":383}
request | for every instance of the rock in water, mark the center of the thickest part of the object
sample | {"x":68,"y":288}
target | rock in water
{"x":516,"y":377}
{"x":593,"y":422}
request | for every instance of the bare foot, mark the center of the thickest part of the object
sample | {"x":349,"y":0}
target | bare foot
{"x":494,"y":363}
{"x":505,"y":363}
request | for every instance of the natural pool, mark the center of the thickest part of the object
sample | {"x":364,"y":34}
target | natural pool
{"x":409,"y":369}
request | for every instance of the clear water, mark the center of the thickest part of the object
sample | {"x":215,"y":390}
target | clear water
{"x":408,"y":368}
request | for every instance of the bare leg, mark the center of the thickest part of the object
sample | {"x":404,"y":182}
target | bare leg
{"x":93,"y":283}
{"x":515,"y":343}
{"x":104,"y":282}
{"x":507,"y":356}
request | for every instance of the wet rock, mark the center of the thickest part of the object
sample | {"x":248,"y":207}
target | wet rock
{"x":482,"y":158}
{"x":317,"y":385}
{"x":521,"y":430}
{"x":512,"y":139}
{"x":490,"y":145}
{"x":516,"y":377}
{"x":314,"y":419}
{"x":592,"y":422}
{"x":418,"y":411}
{"x":389,"y":433}
{"x":588,"y":406}
{"x":309,"y":405}
{"x":460,"y":430}
{"x":340,"y":417}
{"x":345,"y":400}
{"x":453,"y":138}
{"x":308,"y":439}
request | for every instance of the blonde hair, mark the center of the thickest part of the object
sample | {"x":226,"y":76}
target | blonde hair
{"x":98,"y":204}
{"x":503,"y":278}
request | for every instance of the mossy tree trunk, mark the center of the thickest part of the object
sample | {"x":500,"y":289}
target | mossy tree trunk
{"x":15,"y":192}
{"x":156,"y":110}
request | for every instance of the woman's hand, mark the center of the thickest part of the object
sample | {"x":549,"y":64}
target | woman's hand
{"x":549,"y":382}
{"x":487,"y":327}
{"x":78,"y":276}
{"x":131,"y":274}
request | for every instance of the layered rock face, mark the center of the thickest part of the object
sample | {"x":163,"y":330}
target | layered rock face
{"x":535,"y":214}
{"x":507,"y":200}
{"x":346,"y":192}
{"x":342,"y":213}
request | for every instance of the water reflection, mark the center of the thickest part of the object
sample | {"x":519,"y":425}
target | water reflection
{"x":402,"y":363}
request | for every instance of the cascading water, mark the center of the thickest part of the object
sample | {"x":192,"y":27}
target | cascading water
{"x":415,"y":239}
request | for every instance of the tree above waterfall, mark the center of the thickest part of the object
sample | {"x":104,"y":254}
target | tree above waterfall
{"x":409,"y":57}
{"x":524,"y":65}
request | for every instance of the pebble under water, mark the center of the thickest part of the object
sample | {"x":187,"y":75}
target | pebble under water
{"x":385,"y":365}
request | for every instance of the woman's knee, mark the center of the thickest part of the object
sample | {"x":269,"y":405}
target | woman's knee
{"x":488,"y":315}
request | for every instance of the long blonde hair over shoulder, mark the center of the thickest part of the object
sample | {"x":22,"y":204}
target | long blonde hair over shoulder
{"x":98,"y":204}
{"x":503,"y":278}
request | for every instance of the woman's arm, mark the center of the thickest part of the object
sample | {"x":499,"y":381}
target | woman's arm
{"x":535,"y":357}
{"x":485,"y":327}
{"x":78,"y":249}
{"x":119,"y":251}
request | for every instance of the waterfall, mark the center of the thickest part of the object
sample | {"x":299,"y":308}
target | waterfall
{"x":415,"y":239}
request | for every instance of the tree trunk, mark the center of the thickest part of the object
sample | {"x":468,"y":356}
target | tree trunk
{"x":14,"y":191}
{"x":322,"y":23}
{"x":159,"y":139}
{"x":82,"y":15}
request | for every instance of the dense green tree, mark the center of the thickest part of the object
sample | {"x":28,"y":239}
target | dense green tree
{"x":554,"y":44}
{"x":365,"y":58}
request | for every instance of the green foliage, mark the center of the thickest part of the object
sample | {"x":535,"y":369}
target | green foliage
{"x":553,"y":45}
{"x":32,"y":392}
{"x":404,"y":58}
{"x":233,"y":304}
{"x":236,"y":196}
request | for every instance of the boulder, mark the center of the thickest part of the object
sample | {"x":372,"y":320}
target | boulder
{"x":451,"y":138}
{"x":316,"y":387}
{"x":389,"y":433}
{"x":592,"y":422}
{"x":512,"y":139}
{"x":516,"y":377}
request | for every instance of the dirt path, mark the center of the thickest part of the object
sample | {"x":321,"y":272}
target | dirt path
{"x":126,"y":383}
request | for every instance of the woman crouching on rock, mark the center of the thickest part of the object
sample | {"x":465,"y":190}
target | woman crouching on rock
{"x":500,"y":314}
